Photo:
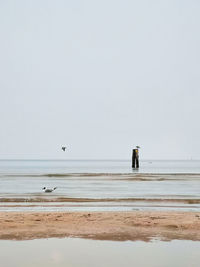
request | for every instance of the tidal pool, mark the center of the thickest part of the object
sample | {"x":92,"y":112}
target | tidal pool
{"x":75,"y":252}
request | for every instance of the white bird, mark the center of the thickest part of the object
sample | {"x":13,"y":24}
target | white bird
{"x":48,"y":190}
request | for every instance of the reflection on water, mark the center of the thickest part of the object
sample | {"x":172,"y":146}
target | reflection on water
{"x":90,"y":253}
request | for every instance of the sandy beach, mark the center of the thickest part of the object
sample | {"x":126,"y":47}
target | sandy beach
{"x":121,"y":226}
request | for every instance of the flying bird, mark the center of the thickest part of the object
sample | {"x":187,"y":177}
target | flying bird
{"x":48,"y":190}
{"x":64,"y":148}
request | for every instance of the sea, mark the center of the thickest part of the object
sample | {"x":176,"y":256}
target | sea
{"x":99,"y":185}
{"x":68,"y":252}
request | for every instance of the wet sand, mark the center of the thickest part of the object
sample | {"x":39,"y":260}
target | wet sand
{"x":121,"y":226}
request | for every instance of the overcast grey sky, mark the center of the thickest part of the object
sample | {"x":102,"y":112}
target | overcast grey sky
{"x":99,"y":77}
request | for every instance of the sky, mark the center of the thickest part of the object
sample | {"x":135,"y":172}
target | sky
{"x":99,"y":77}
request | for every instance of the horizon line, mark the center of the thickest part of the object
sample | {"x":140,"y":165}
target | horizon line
{"x":97,"y":159}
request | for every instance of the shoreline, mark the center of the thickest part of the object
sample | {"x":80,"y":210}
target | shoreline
{"x":116,"y":226}
{"x":59,"y":199}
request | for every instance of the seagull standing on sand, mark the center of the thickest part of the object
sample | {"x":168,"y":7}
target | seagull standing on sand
{"x":48,"y":190}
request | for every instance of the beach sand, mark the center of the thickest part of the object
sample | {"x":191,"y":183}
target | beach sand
{"x":121,"y":226}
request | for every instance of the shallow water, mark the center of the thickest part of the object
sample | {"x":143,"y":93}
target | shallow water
{"x":99,"y":185}
{"x":97,"y":166}
{"x":89,"y":253}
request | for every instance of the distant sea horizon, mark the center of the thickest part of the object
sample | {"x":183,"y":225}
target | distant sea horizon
{"x":97,"y":159}
{"x":67,"y":166}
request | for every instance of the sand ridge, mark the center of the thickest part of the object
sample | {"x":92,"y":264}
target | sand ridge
{"x":134,"y":225}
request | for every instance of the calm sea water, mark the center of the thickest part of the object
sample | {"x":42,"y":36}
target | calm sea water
{"x":89,"y":253}
{"x":99,"y":185}
{"x":97,"y":166}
